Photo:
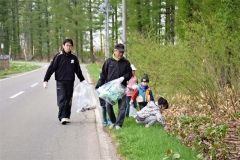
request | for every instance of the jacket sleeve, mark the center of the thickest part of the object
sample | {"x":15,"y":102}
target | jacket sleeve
{"x":51,"y":69}
{"x":127,"y":76}
{"x":160,"y":119}
{"x":78,"y":71}
{"x":134,"y":95}
{"x":103,"y":75}
{"x":99,"y":83}
{"x":144,"y":112}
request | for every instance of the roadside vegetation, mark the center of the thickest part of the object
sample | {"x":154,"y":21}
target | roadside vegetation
{"x":201,"y":82}
{"x":200,"y":78}
{"x":136,"y":142}
{"x":18,"y":67}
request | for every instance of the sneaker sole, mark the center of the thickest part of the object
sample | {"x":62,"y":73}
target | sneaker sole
{"x":64,"y":122}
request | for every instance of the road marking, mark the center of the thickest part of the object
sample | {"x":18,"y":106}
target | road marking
{"x":34,"y":85}
{"x":15,"y":95}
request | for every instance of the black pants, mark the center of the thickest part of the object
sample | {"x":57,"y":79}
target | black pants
{"x":64,"y":98}
{"x":104,"y":109}
{"x":121,"y":112}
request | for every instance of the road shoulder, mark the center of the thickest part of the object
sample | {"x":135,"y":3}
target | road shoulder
{"x":107,"y":148}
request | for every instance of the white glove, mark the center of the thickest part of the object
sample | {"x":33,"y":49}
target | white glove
{"x":120,"y":79}
{"x":45,"y":84}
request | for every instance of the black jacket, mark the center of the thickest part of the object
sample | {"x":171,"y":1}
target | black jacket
{"x":65,"y":65}
{"x":113,"y":69}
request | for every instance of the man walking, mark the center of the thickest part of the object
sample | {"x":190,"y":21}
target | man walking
{"x":65,"y":65}
{"x":116,"y":67}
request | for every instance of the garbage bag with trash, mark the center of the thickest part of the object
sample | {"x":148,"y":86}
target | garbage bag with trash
{"x":83,"y":98}
{"x":132,"y":111}
{"x":111,"y":91}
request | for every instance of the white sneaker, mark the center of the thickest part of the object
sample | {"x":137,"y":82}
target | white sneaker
{"x":67,"y":120}
{"x":117,"y":127}
{"x":64,"y":121}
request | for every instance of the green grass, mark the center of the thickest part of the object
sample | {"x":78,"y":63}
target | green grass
{"x":140,"y":143}
{"x":18,"y":67}
{"x":94,"y":70}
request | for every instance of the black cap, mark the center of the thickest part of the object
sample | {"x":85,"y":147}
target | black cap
{"x":119,"y":47}
{"x":145,"y":78}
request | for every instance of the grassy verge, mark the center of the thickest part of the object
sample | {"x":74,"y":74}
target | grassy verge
{"x":140,"y":143}
{"x":94,"y":70}
{"x":137,"y":142}
{"x":18,"y":67}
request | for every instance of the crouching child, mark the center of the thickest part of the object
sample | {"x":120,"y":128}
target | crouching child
{"x":152,"y":113}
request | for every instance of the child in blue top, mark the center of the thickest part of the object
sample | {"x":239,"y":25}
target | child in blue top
{"x":143,"y":93}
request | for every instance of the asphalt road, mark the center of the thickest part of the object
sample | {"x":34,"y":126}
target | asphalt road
{"x":30,"y":130}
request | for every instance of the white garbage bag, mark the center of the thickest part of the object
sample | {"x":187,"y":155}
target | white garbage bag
{"x":111,"y":91}
{"x":83,"y":98}
{"x":132,"y":111}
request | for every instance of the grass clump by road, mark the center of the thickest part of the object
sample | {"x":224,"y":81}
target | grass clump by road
{"x":94,"y":70}
{"x":18,"y":67}
{"x":139,"y":143}
{"x":136,"y":142}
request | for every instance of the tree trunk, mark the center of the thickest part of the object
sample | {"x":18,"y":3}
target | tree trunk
{"x":169,"y":23}
{"x":15,"y":29}
{"x":91,"y":32}
{"x":116,"y":24}
{"x":172,"y":22}
{"x":113,"y":31}
{"x":81,"y":46}
{"x":101,"y":40}
{"x":139,"y":16}
{"x":48,"y":29}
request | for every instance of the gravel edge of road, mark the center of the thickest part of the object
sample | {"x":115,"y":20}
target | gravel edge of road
{"x":105,"y":141}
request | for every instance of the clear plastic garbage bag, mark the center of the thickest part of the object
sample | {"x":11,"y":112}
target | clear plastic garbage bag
{"x":132,"y":111}
{"x":83,"y":98}
{"x":111,"y":91}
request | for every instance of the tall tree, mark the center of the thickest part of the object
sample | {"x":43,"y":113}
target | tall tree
{"x":14,"y":29}
{"x":91,"y":30}
{"x":4,"y":26}
{"x":47,"y":29}
{"x":169,"y":21}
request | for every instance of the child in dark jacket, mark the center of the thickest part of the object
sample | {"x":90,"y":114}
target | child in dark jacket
{"x":143,"y":93}
{"x":151,"y":113}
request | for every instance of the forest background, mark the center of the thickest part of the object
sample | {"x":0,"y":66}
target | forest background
{"x":190,"y":49}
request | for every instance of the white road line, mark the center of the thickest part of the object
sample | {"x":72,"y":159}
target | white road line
{"x":34,"y":85}
{"x":15,"y":95}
